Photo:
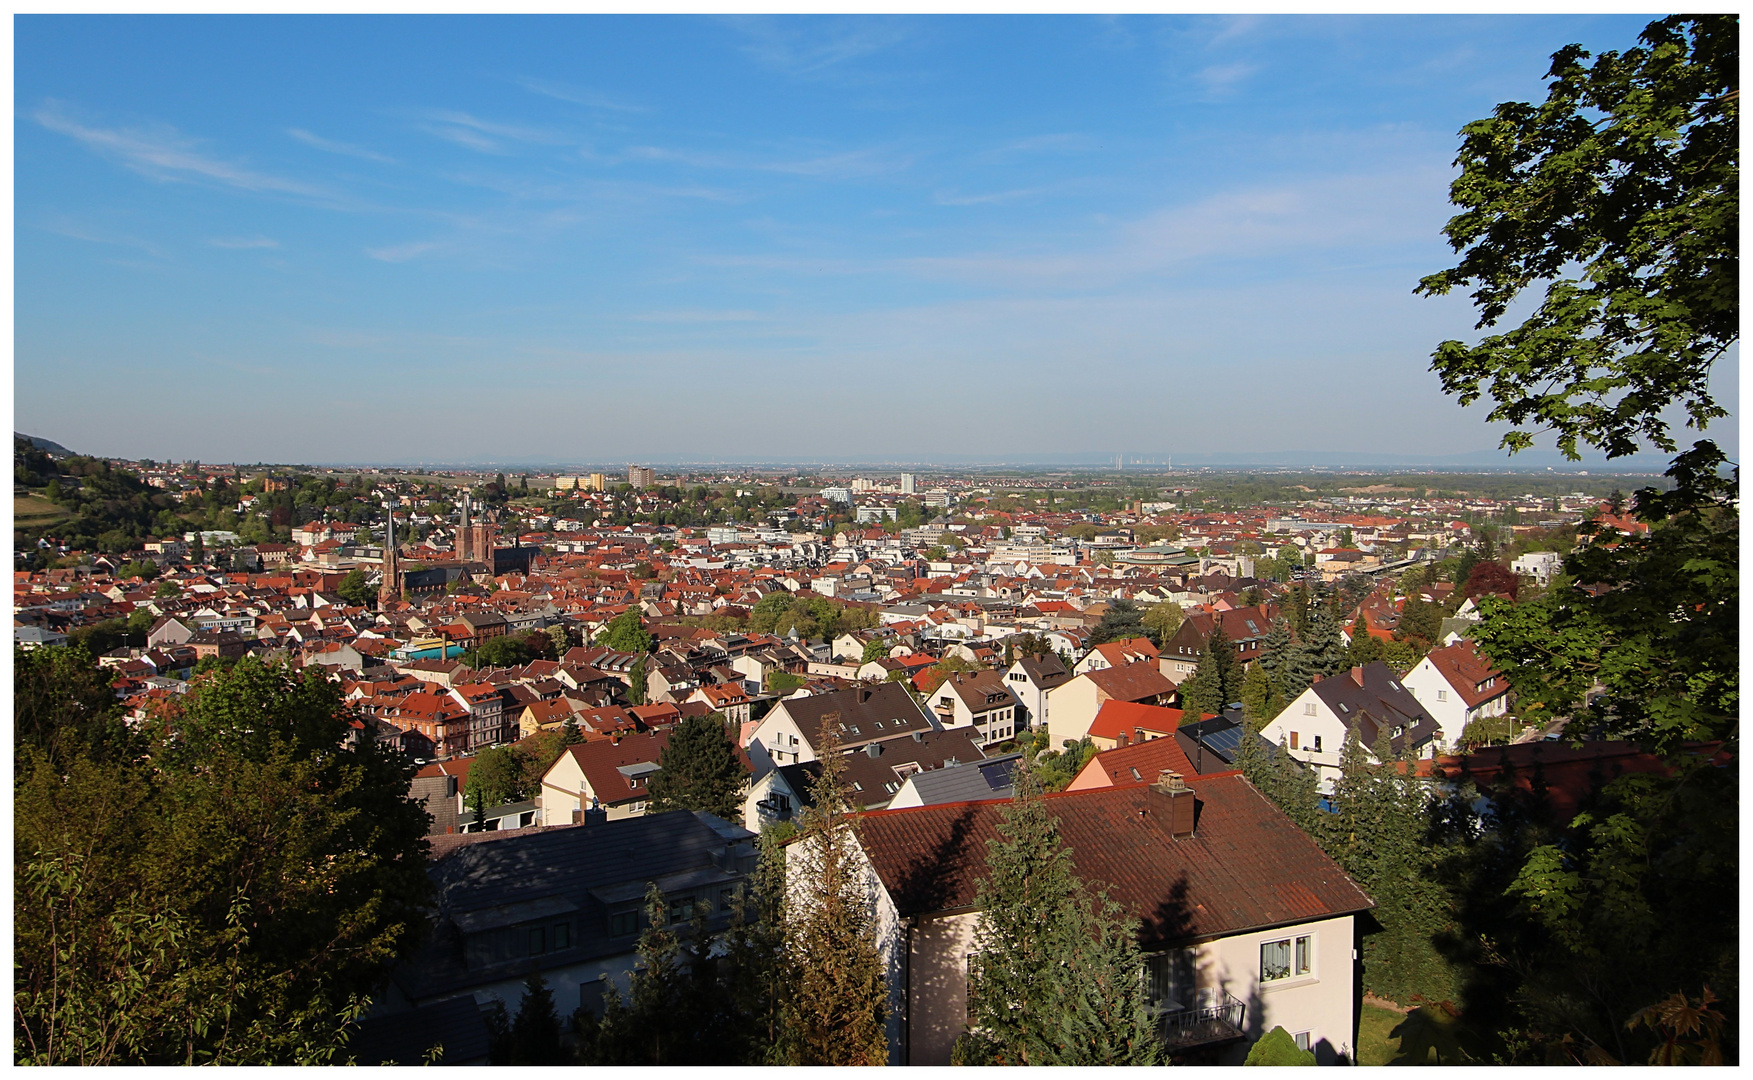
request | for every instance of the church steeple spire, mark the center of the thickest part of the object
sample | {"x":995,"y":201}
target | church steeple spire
{"x":389,"y":592}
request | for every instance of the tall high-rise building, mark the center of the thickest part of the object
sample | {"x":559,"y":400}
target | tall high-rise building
{"x":597,"y":482}
{"x":640,"y":476}
{"x":906,"y":483}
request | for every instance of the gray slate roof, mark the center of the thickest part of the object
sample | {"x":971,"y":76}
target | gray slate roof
{"x":577,"y":875}
{"x":988,"y":779}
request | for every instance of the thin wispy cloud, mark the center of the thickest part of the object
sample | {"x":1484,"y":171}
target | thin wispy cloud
{"x":163,"y":153}
{"x":496,"y":129}
{"x":590,"y":99}
{"x":1059,"y":143}
{"x":243,"y":243}
{"x":814,"y":45}
{"x":848,"y":165}
{"x":397,"y":253}
{"x":77,"y":230}
{"x":691,"y":317}
{"x":332,"y":147}
{"x":463,"y":137}
{"x":1222,"y":79}
{"x":990,"y":198}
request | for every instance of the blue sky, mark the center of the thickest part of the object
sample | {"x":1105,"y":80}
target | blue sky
{"x":606,"y":239}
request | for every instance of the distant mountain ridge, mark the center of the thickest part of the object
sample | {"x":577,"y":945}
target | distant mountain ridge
{"x":51,"y":448}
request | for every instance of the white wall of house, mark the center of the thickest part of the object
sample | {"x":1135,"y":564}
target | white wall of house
{"x":1314,"y":733}
{"x":780,"y":739}
{"x":937,"y":986}
{"x":1033,"y":698}
{"x":1319,"y":1003}
{"x":1445,"y":703}
{"x":565,"y":789}
{"x":1071,"y":709}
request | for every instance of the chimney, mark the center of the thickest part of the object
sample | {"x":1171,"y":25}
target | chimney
{"x":919,"y":736}
{"x":873,"y":750}
{"x":1123,"y":739}
{"x":1137,"y":734}
{"x":1171,"y":798}
{"x":1357,"y":675}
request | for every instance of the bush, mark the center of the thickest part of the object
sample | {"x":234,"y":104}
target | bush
{"x":1276,"y":1047}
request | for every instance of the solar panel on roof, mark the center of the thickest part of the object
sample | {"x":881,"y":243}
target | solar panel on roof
{"x":1224,"y":743}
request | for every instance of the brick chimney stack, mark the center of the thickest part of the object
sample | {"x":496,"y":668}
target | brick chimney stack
{"x":1173,"y":799}
{"x":1357,"y":675}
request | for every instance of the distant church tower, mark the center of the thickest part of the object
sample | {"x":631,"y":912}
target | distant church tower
{"x":389,"y":592}
{"x":474,"y":542}
{"x":462,"y":544}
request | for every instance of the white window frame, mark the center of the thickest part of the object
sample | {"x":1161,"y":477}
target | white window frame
{"x":1299,"y":953}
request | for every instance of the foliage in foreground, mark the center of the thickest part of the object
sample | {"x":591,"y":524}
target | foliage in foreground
{"x":227,"y":892}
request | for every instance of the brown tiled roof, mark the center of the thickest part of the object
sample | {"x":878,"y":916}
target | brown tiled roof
{"x":1246,"y":866}
{"x":1468,"y":672}
{"x":859,"y":710}
{"x":1134,"y":682}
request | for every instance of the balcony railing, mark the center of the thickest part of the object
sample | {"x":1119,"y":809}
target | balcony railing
{"x":1215,"y":1017}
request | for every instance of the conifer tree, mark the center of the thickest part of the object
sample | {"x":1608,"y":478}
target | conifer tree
{"x":700,"y":770}
{"x":1322,"y":653}
{"x":535,"y":1034}
{"x":1217,"y":681}
{"x":1261,"y":701}
{"x":636,"y":683}
{"x":837,"y":1009}
{"x":1054,"y":979}
{"x":1275,"y":648}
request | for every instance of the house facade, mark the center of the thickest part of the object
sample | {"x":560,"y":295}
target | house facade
{"x":1228,"y":955}
{"x":1458,"y":685}
{"x":1072,"y":706}
{"x":1030,"y":678}
{"x":977,"y":699}
{"x":794,"y":728}
{"x":1314,"y":725}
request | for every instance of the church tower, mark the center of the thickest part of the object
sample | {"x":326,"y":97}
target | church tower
{"x":390,"y":591}
{"x":462,"y":544}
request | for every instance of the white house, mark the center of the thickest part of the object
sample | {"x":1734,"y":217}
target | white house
{"x":1227,"y":956}
{"x":1313,"y":726}
{"x":1539,"y":565}
{"x":1030,"y":678}
{"x":977,"y":699}
{"x":793,"y":729}
{"x":1457,"y":686}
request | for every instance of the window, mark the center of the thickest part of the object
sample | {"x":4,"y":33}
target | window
{"x":1286,"y":958}
{"x":563,"y":936}
{"x":1442,"y":695}
{"x":1309,"y":709}
{"x":1293,"y":744}
{"x":536,"y":942}
{"x":1302,"y":1040}
{"x":681,"y":909}
{"x":1316,"y":745}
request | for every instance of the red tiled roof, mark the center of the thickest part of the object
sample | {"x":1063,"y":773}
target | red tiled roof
{"x":1568,"y":772}
{"x":1246,"y":866}
{"x":1468,"y":671}
{"x":1139,"y":763}
{"x":1117,"y":718}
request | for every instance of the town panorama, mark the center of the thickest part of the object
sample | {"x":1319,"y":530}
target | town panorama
{"x":682,"y":612}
